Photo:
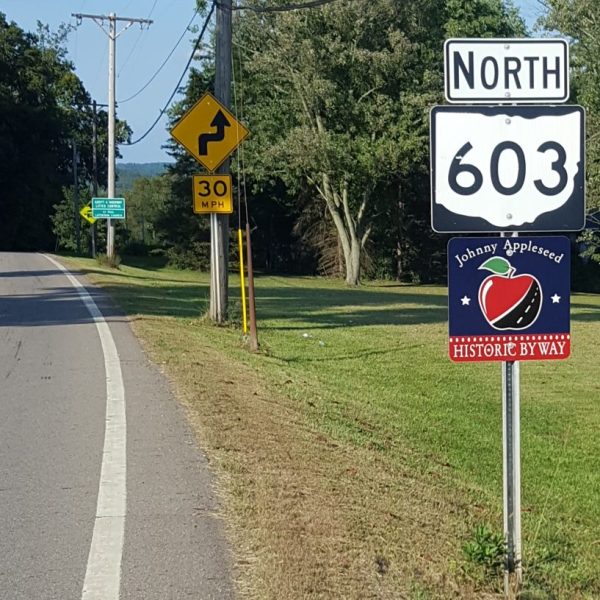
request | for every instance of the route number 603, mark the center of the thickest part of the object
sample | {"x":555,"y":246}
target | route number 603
{"x":458,"y":167}
{"x":500,"y":168}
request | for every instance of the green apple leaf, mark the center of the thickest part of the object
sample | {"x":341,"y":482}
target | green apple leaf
{"x":497,"y":265}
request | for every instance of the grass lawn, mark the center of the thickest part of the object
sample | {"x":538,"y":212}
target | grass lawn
{"x":355,"y":459}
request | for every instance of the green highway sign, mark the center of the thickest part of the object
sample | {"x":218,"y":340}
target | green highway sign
{"x":108,"y":208}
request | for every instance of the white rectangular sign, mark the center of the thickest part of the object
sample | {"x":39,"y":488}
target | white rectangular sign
{"x":506,"y":70}
{"x":507,"y":168}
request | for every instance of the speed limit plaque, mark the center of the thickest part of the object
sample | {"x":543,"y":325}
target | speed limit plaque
{"x":507,"y":168}
{"x":212,"y":194}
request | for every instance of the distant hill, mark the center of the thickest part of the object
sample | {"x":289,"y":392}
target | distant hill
{"x":127,"y":173}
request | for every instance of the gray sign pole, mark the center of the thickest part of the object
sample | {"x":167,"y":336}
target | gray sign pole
{"x":511,"y":436}
{"x":511,"y":463}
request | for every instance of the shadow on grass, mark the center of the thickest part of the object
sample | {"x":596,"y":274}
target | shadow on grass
{"x":164,"y":301}
{"x":293,"y":307}
{"x":318,"y":308}
{"x":119,"y":273}
{"x":326,"y":308}
{"x":358,"y":354}
{"x":279,"y":307}
{"x":584,"y":311}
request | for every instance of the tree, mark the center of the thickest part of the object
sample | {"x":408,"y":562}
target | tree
{"x":145,"y":200}
{"x":43,"y":107}
{"x":337,"y":98}
{"x":483,"y":19}
{"x":330,"y":95}
{"x":579,"y":20}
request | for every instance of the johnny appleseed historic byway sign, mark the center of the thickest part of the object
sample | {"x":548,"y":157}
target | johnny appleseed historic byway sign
{"x":508,"y":298}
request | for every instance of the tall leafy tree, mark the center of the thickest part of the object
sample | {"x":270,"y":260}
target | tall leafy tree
{"x":332,"y":96}
{"x":337,"y":99}
{"x":483,"y":19}
{"x":579,"y":20}
{"x":43,"y":107}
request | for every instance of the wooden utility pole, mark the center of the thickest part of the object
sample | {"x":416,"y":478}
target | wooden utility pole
{"x":76,"y":218}
{"x":219,"y":223}
{"x":113,"y":34}
{"x":94,"y":169}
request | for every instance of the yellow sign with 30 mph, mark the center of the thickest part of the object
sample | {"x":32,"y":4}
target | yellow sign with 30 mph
{"x":209,"y":132}
{"x":212,"y":194}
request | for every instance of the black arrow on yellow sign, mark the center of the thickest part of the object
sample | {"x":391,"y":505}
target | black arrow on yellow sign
{"x":220,"y":122}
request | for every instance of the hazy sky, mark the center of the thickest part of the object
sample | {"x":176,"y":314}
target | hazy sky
{"x":139,"y":54}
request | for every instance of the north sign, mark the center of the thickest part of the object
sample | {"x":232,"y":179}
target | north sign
{"x":209,"y":132}
{"x":509,"y":298}
{"x":212,"y":194}
{"x":507,"y":168}
{"x":108,"y":208}
{"x":506,"y":70}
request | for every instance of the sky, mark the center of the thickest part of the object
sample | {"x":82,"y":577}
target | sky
{"x":139,"y":54}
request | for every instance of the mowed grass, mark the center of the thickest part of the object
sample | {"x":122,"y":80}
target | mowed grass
{"x":392,"y":453}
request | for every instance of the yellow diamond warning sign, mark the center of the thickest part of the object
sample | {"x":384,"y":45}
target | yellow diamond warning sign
{"x":212,"y":194}
{"x":209,"y":132}
{"x":86,"y":213}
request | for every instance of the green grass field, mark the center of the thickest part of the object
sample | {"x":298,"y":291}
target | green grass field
{"x":367,"y":369}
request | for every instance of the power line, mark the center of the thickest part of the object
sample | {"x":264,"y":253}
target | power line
{"x":152,"y":9}
{"x":163,"y":63}
{"x":163,"y":110}
{"x":285,"y":7}
{"x":136,"y":41}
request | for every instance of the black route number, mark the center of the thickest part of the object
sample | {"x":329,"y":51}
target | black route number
{"x":219,"y":188}
{"x":457,"y":167}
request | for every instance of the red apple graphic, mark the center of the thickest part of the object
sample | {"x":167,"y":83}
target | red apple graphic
{"x":508,"y":301}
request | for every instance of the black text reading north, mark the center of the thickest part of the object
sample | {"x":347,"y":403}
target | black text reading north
{"x":490,"y":72}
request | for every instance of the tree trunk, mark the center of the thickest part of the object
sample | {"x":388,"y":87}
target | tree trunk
{"x":399,"y":236}
{"x":353,"y":264}
{"x":352,"y":235}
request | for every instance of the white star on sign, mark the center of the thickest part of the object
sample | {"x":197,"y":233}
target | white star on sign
{"x":465,"y":300}
{"x":555,"y":299}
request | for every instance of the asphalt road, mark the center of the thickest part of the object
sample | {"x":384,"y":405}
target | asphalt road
{"x":156,"y":518}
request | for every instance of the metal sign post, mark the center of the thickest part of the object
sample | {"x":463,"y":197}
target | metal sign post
{"x":508,"y":301}
{"x":511,"y":441}
{"x":511,"y":473}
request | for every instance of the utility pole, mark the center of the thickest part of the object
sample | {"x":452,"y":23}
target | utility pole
{"x":94,"y":169}
{"x":76,"y":220}
{"x":112,"y":39}
{"x":219,"y":224}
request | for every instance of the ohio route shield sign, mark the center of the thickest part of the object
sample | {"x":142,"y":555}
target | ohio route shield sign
{"x":509,"y":298}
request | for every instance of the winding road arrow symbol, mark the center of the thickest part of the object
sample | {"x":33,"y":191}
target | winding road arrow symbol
{"x":220,"y":122}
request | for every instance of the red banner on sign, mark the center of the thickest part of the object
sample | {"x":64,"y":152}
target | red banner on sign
{"x":555,"y":346}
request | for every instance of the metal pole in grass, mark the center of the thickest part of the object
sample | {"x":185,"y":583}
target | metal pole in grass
{"x":511,"y":462}
{"x":511,"y":429}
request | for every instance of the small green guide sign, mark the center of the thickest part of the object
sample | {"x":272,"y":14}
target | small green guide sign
{"x":108,"y":208}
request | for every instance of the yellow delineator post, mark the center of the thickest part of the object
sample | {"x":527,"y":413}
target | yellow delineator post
{"x":242,"y":282}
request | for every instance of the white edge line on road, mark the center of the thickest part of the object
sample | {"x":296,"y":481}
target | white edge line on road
{"x":103,"y":573}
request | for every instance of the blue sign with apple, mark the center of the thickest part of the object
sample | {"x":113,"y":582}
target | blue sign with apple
{"x":509,"y":298}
